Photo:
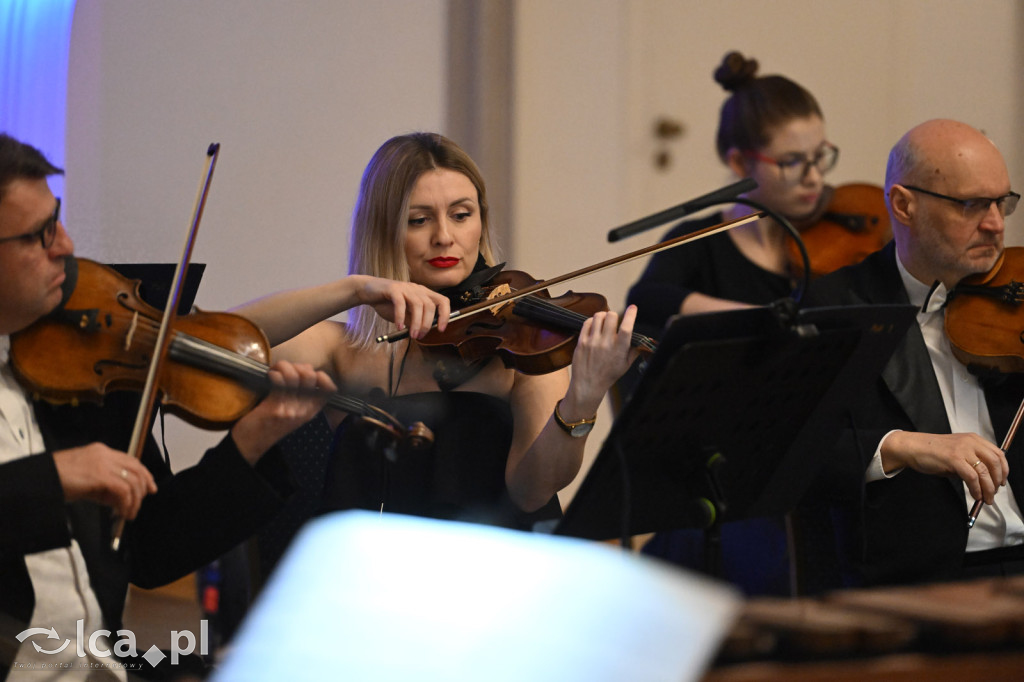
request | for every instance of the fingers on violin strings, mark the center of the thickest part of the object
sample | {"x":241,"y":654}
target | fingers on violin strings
{"x":610,"y":329}
{"x":323,"y":381}
{"x":285,"y":376}
{"x":628,"y":318}
{"x":308,"y":379}
{"x":586,"y":330}
{"x":626,"y":325}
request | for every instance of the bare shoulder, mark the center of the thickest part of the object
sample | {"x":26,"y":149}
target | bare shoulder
{"x":356,"y":367}
{"x":316,"y":346}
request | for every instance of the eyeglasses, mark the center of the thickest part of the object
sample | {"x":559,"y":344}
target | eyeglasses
{"x":976,"y":207}
{"x":793,"y":167}
{"x":45,"y":234}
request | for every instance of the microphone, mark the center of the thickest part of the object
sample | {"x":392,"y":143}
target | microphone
{"x":718,"y":196}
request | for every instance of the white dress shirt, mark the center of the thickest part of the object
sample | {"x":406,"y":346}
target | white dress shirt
{"x":63,"y":594}
{"x":999,"y":524}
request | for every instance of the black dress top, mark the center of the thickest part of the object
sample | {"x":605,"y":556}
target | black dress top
{"x":461,"y":477}
{"x":711,"y":266}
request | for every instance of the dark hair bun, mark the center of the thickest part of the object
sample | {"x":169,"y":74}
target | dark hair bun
{"x":735,"y":71}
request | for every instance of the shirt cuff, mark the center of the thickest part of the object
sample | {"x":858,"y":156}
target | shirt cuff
{"x":875,"y":471}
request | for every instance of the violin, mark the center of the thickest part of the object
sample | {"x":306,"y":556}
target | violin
{"x":534,"y":334}
{"x":984,"y":322}
{"x":549,"y":338}
{"x":850,"y":223}
{"x":984,"y":316}
{"x":102,"y":339}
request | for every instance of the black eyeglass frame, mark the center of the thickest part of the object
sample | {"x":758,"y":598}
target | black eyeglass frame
{"x":1007,"y":203}
{"x":46,"y":233}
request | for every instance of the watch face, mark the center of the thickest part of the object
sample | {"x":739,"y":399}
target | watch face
{"x":581,"y":430}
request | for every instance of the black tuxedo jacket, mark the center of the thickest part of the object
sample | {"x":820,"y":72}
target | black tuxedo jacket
{"x":912,"y":527}
{"x":193,"y":518}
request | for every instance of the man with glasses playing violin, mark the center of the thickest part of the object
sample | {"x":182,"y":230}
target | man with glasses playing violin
{"x":923,"y":443}
{"x":64,"y":475}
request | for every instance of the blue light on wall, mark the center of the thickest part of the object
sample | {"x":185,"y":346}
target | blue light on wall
{"x":35,"y":36}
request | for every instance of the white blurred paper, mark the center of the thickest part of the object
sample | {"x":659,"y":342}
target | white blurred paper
{"x":363,"y":596}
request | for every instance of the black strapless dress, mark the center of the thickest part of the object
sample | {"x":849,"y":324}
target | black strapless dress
{"x":461,"y":477}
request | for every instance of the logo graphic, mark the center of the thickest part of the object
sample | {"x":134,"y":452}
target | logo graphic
{"x":50,"y":634}
{"x":123,"y":647}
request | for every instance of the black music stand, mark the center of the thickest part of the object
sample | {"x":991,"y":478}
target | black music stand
{"x":158,"y":278}
{"x":731,"y":419}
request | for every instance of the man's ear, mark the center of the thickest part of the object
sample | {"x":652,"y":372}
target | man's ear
{"x":903,"y":204}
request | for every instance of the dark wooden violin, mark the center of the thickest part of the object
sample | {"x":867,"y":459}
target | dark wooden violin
{"x":985,"y":318}
{"x":850,"y":223}
{"x":529,"y":330}
{"x":102,"y":340}
{"x":534,"y":334}
{"x":985,"y":324}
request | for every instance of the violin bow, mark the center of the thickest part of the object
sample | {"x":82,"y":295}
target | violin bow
{"x":597,"y":267}
{"x":143,"y":420}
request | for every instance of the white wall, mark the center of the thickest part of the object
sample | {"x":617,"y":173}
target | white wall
{"x":592,"y":76}
{"x":298,"y":94}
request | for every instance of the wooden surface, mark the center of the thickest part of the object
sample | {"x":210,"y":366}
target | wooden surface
{"x":971,"y":630}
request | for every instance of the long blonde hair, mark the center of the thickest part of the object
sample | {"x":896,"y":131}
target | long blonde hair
{"x":380,"y":218}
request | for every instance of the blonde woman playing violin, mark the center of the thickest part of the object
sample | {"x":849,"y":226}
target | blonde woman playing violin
{"x":505,"y":442}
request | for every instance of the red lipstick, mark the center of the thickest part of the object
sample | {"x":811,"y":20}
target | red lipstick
{"x":442,"y":262}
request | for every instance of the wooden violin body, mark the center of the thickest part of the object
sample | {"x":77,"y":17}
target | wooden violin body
{"x":532,"y":335}
{"x":985,"y":316}
{"x":103,"y":341}
{"x":103,"y":338}
{"x":852,"y":223}
{"x":535,"y":334}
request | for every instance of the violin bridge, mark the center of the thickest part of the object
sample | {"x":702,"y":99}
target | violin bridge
{"x":497,"y":292}
{"x":131,"y":331}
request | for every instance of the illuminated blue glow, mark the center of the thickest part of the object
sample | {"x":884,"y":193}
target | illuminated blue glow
{"x":35,"y":37}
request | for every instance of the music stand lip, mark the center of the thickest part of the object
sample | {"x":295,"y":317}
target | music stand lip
{"x":764,"y":396}
{"x":158,"y":278}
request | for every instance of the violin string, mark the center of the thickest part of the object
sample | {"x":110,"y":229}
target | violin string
{"x":568,"y":318}
{"x":571,"y":319}
{"x":200,"y":351}
{"x":223,"y":361}
{"x":203,"y":352}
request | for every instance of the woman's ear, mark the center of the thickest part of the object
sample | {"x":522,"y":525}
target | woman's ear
{"x":738,"y":163}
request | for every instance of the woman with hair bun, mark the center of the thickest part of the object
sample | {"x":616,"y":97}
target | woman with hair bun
{"x":772,"y":130}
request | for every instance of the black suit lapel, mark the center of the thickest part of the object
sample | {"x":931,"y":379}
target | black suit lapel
{"x":908,"y":375}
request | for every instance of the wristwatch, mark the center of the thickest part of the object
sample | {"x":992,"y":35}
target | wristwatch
{"x":576,"y":429}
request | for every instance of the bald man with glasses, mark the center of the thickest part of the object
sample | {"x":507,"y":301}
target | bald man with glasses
{"x":923,"y":442}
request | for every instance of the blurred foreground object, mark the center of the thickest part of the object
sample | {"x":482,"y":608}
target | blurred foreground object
{"x":364,"y":596}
